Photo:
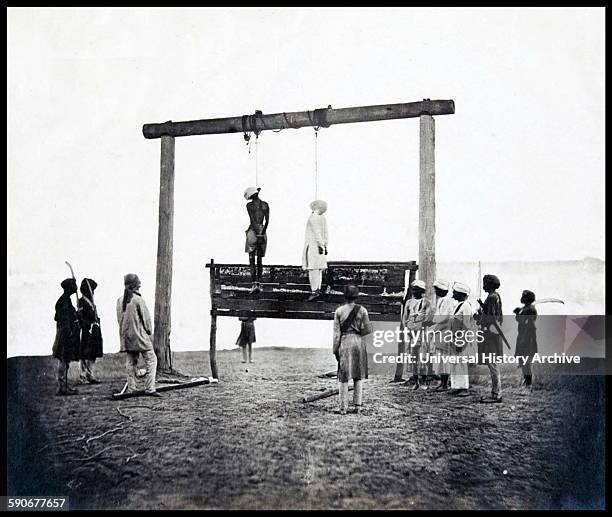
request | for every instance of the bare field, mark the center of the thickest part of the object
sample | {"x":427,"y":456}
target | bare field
{"x":249,"y":442}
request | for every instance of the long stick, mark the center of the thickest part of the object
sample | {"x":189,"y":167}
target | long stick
{"x":479,"y":280}
{"x":496,"y":325}
{"x":76,"y":295}
{"x":140,"y":393}
{"x":324,"y":395}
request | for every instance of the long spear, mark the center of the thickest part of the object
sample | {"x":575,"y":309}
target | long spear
{"x":495,"y":324}
{"x":76,"y":295}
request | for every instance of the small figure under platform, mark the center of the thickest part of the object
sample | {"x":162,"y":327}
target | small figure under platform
{"x":246,"y":338}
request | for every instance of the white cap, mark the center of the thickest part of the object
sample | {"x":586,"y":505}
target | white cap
{"x":461,"y":288}
{"x":441,"y":284}
{"x":319,"y":204}
{"x":418,"y":283}
{"x":250,"y":191}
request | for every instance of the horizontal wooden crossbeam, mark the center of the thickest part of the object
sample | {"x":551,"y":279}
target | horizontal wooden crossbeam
{"x":324,"y":117}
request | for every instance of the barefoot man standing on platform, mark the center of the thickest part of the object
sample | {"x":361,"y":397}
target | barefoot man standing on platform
{"x":256,"y":237}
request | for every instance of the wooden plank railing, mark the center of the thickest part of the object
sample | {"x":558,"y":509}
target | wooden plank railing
{"x":285,"y":290}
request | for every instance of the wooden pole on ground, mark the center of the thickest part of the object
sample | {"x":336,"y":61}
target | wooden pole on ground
{"x":163,"y":285}
{"x":180,"y":386}
{"x":427,"y":204}
{"x":324,"y":395}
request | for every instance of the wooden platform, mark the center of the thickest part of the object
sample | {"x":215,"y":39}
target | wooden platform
{"x":286,"y":289}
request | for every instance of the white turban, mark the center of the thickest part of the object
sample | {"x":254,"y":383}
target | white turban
{"x":418,"y":283}
{"x":441,"y":284}
{"x":320,"y":205}
{"x":250,"y":191}
{"x":461,"y":288}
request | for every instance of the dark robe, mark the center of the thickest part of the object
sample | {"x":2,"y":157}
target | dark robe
{"x":91,"y":335}
{"x":67,"y":337}
{"x":526,"y":343}
{"x":247,"y":332}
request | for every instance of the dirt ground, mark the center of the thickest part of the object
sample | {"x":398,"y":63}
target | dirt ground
{"x":249,"y":442}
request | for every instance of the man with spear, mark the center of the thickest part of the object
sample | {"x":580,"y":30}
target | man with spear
{"x":490,"y":318}
{"x":67,"y":336}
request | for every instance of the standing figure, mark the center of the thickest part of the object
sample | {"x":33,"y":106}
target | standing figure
{"x":351,"y":325}
{"x":246,"y":338}
{"x":415,"y":314}
{"x":135,"y":331}
{"x":526,"y":341}
{"x":67,"y":336}
{"x":256,"y":236}
{"x":463,"y":348}
{"x":492,"y":341}
{"x":91,"y":335}
{"x":314,"y":256}
{"x":441,"y":322}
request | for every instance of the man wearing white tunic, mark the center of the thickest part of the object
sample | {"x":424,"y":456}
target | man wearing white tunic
{"x":135,"y":332}
{"x":415,"y":315}
{"x":314,"y":256}
{"x":461,"y":322}
{"x":440,"y":327}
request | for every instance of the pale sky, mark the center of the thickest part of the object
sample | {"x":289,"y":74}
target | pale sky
{"x":519,"y":167}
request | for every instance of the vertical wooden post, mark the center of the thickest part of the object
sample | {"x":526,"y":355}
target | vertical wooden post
{"x":401,"y":344}
{"x":213,"y":323}
{"x":213,"y":345}
{"x":163,"y":285}
{"x":427,"y":204}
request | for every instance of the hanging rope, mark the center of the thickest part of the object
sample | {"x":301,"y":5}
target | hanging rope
{"x":256,"y":161}
{"x":316,"y":164}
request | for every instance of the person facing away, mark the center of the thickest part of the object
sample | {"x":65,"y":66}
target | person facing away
{"x":246,"y":338}
{"x":314,"y":255}
{"x":67,"y":335}
{"x":440,"y":324}
{"x":415,"y":314}
{"x":256,"y":234}
{"x":91,"y":334}
{"x":351,"y":325}
{"x":487,"y":316}
{"x":526,"y":340}
{"x":135,"y":331}
{"x":462,"y":321}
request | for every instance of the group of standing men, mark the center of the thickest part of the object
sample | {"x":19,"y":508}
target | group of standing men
{"x":79,"y":338}
{"x":457,"y":314}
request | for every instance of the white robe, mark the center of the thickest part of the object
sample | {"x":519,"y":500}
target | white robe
{"x":462,"y":320}
{"x":440,"y":346}
{"x":316,"y":235}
